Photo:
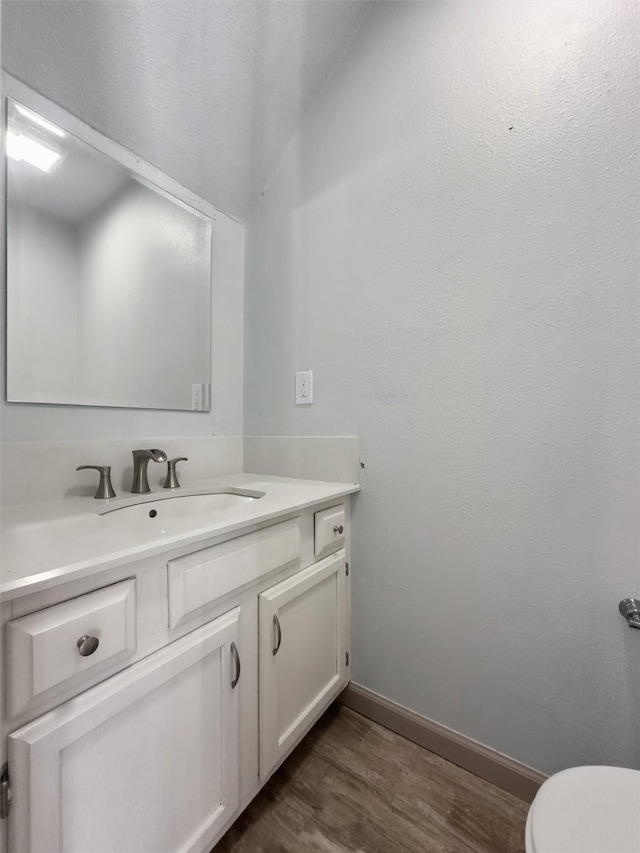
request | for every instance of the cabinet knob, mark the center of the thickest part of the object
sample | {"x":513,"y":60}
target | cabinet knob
{"x":338,"y":528}
{"x":87,"y":645}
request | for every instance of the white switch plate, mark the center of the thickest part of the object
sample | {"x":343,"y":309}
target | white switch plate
{"x":304,"y":387}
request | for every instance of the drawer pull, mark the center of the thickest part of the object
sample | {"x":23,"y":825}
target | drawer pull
{"x":236,"y":656}
{"x":276,"y":625}
{"x":338,"y":528}
{"x":87,"y":645}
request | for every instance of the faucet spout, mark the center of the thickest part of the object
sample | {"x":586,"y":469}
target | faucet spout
{"x":141,"y":459}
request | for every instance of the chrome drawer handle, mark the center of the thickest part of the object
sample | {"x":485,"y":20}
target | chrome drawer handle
{"x":87,"y":645}
{"x":338,"y":528}
{"x":236,"y":656}
{"x":276,"y":625}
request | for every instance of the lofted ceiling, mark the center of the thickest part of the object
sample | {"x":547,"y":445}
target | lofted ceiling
{"x":209,"y":91}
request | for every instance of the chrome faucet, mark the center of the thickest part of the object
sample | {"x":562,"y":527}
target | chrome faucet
{"x":140,"y":461}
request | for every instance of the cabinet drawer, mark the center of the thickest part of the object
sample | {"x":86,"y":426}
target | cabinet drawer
{"x":330,"y":527}
{"x":43,"y":650}
{"x":199,"y":579}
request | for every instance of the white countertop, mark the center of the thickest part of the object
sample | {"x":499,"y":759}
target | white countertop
{"x":45,"y":544}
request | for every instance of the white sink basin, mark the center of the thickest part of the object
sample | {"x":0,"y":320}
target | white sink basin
{"x":125,"y":523}
{"x":158,"y":509}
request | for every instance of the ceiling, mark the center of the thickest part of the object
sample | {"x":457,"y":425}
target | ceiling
{"x":208,"y":91}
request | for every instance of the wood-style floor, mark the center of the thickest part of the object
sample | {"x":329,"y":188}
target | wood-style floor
{"x":352,"y":785}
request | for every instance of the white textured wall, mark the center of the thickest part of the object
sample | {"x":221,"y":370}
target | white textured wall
{"x":451,"y":244}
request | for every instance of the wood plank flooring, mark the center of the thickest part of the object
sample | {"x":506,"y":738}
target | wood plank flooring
{"x":352,"y":786}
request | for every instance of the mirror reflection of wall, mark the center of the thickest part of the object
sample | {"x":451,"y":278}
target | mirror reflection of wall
{"x":109,"y":278}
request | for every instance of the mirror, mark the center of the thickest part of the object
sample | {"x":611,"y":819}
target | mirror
{"x":108,"y":277}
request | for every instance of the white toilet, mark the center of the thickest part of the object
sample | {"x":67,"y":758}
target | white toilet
{"x":586,"y":810}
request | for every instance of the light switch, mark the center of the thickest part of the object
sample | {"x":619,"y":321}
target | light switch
{"x":304,"y":387}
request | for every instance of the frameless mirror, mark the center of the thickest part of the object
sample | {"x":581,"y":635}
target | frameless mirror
{"x":108,"y":278}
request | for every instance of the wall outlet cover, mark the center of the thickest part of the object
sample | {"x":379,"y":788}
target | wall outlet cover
{"x":304,"y":388}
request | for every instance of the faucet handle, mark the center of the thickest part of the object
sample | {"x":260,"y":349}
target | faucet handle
{"x":105,"y":489}
{"x":171,"y":481}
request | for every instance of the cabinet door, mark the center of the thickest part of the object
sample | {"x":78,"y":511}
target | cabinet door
{"x":304,"y":624}
{"x":146,"y":761}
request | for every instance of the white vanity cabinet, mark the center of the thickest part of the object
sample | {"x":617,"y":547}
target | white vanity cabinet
{"x":304,"y":630}
{"x":212,"y":663}
{"x":145,"y":761}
